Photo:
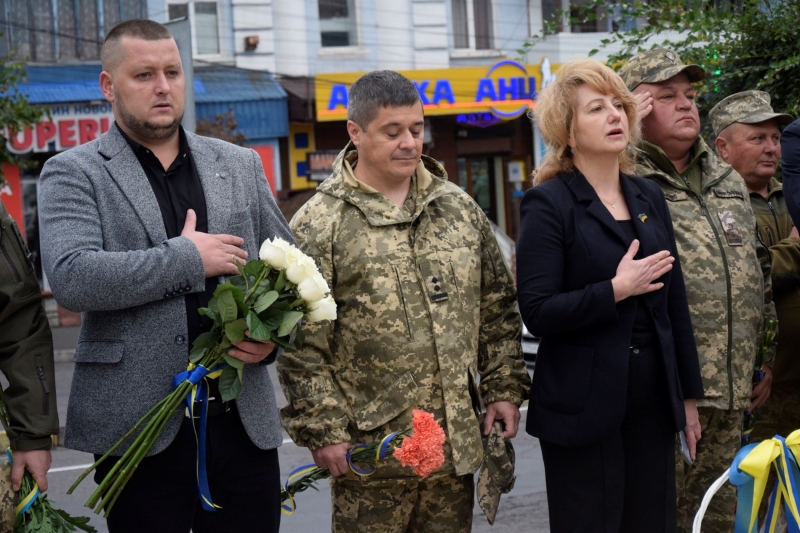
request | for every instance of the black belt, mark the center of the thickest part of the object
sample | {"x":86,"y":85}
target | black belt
{"x":215,"y":408}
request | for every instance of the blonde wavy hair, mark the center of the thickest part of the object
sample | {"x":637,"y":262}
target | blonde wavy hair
{"x":554,"y":113}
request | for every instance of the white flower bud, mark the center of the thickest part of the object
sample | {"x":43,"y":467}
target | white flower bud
{"x":301,"y":269}
{"x":273,"y":255}
{"x":310,"y":289}
{"x":324,"y":309}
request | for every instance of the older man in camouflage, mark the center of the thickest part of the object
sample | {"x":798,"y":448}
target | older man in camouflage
{"x":726,"y":272}
{"x":749,"y":139}
{"x":427,"y":320}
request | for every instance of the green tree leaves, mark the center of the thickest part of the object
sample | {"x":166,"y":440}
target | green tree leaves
{"x":751,"y":47}
{"x":15,"y":111}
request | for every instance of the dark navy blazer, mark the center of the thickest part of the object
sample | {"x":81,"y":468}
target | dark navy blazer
{"x":790,"y":163}
{"x":568,"y":250}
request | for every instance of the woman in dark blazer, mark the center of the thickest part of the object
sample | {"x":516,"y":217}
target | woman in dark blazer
{"x":600,"y":282}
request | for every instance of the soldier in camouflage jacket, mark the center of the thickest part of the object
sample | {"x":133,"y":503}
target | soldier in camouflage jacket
{"x":426,"y":310}
{"x":726,"y":269}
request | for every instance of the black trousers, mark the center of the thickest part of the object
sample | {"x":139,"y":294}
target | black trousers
{"x":162,"y":496}
{"x":626,"y":482}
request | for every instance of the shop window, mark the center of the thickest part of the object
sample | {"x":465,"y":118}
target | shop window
{"x":473,"y":24}
{"x":337,"y":23}
{"x":476,"y":178}
{"x":204,"y":21}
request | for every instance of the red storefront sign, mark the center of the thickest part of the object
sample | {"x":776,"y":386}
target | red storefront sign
{"x":11,"y":195}
{"x":68,"y":126}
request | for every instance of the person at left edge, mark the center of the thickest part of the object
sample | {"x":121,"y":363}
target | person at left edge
{"x":137,"y":229}
{"x":26,"y":360}
{"x":599,"y":280}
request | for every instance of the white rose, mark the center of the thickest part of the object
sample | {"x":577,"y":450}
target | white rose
{"x":282,"y":244}
{"x":311,"y":290}
{"x":321,"y":283}
{"x":300,"y":270}
{"x":273,"y":255}
{"x":323,"y":310}
{"x":294,"y":256}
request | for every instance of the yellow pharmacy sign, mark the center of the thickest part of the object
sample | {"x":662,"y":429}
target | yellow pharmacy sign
{"x":507,"y":89}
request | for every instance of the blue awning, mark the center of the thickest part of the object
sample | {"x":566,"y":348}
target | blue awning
{"x":256,"y":99}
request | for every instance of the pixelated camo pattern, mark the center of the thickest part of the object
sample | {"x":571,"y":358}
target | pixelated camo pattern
{"x":496,"y":476}
{"x":426,"y":304}
{"x":723,"y":273}
{"x":748,"y":107}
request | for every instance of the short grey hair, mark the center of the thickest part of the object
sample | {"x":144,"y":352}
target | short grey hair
{"x":380,"y":88}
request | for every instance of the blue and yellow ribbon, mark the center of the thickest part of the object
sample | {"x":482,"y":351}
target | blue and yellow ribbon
{"x":28,"y":500}
{"x":198,"y":376}
{"x":749,"y":472}
{"x":288,"y":508}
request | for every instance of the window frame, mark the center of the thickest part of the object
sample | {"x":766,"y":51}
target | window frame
{"x":192,"y":17}
{"x":471,"y":49}
{"x":336,"y":24}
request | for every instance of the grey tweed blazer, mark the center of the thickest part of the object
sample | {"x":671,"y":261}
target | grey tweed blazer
{"x":106,"y":254}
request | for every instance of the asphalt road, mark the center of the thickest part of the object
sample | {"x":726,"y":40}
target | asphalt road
{"x":523,"y":510}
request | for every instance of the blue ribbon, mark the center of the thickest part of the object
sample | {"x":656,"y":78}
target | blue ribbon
{"x":745,"y":483}
{"x":788,"y":475}
{"x":289,"y":507}
{"x":198,"y":376}
{"x":32,"y":496}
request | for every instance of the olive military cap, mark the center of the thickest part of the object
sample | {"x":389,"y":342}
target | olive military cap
{"x":656,"y":66}
{"x":748,"y":107}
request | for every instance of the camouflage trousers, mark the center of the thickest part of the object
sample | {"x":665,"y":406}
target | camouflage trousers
{"x":8,"y":498}
{"x":779,"y":416}
{"x":721,"y":439}
{"x":438,"y":504}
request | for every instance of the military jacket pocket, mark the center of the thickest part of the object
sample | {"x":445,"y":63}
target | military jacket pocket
{"x":734,"y":213}
{"x":101,"y":351}
{"x":389,"y":404}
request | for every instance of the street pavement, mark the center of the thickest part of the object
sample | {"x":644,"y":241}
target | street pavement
{"x":523,"y":510}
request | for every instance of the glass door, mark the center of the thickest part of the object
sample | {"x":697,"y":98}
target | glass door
{"x":476,"y":177}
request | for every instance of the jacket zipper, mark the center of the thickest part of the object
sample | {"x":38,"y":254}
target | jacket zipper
{"x":710,"y":220}
{"x":769,"y":236}
{"x":775,"y":218}
{"x":46,"y":401}
{"x":8,"y":257}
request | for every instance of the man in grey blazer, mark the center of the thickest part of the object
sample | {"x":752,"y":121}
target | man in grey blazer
{"x":137,"y":228}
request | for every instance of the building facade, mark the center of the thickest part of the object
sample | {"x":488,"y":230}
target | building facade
{"x":462,"y":55}
{"x":60,"y":40}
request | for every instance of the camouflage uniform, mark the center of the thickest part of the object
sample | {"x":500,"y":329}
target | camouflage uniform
{"x":426,"y":309}
{"x":728,"y":287}
{"x":724,"y":275}
{"x":781,"y":414}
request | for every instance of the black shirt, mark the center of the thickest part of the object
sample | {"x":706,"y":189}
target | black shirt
{"x":644,"y":330}
{"x":177,"y":190}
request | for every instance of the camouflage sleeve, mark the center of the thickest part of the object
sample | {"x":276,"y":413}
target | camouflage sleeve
{"x":504,"y":376}
{"x":315,"y":414}
{"x":765,"y":260}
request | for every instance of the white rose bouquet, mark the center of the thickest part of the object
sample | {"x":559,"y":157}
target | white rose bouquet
{"x":268,"y":300}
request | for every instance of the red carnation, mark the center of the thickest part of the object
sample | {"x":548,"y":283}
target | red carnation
{"x":423,"y":449}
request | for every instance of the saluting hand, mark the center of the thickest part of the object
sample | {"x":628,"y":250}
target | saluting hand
{"x":637,"y":276}
{"x":644,"y":104}
{"x":217,"y":251}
